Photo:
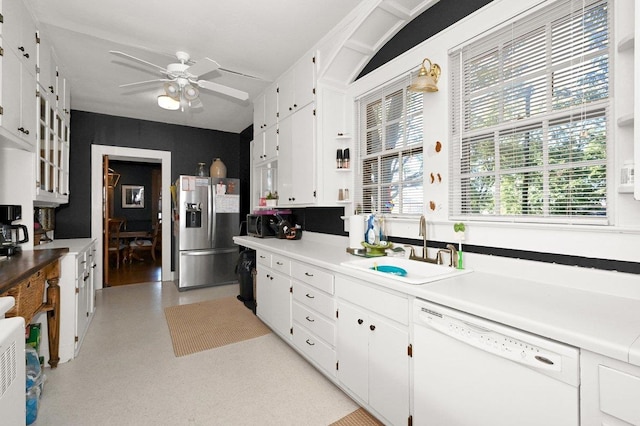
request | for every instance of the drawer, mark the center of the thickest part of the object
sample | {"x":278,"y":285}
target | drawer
{"x":263,"y":258}
{"x":315,"y":299}
{"x":315,"y":323}
{"x":29,"y":296}
{"x":390,"y":305}
{"x":281,"y":264}
{"x":619,"y":394}
{"x":313,"y":276}
{"x":318,"y":351}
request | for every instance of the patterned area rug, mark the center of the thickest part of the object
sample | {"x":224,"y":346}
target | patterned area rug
{"x":206,"y":325}
{"x":360,"y":417}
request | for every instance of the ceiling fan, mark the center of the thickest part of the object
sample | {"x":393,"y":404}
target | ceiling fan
{"x":182,"y":81}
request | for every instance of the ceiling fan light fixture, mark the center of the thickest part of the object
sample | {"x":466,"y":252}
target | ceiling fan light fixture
{"x":168,"y":102}
{"x":172,"y":89}
{"x":190,"y":93}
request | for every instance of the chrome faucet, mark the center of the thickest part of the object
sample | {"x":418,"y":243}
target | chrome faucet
{"x":453,"y":255}
{"x":423,"y":233}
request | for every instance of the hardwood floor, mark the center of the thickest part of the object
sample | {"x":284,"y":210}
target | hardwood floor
{"x":138,"y":271}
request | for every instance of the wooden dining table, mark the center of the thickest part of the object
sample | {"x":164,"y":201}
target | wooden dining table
{"x":129,"y":236}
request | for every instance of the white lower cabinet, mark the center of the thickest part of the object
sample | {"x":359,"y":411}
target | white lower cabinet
{"x":609,"y":391}
{"x":77,"y":303}
{"x":373,"y":358}
{"x":273,"y":298}
{"x":77,"y":296}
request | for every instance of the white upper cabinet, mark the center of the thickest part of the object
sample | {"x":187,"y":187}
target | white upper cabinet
{"x":265,"y":110}
{"x":296,"y":88}
{"x":18,"y":85}
{"x":296,"y":159}
{"x":47,"y":66}
{"x":18,"y":101}
{"x":19,"y":32}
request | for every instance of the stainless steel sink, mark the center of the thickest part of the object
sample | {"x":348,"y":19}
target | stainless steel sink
{"x":416,"y":272}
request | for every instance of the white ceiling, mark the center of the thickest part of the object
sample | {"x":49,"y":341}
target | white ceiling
{"x":261,"y":38}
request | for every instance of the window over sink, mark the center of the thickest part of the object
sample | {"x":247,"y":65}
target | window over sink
{"x":530,"y":118}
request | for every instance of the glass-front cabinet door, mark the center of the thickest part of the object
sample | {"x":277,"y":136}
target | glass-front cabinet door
{"x":52,"y":170}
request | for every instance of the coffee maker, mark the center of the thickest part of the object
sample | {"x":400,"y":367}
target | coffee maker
{"x":10,"y":233}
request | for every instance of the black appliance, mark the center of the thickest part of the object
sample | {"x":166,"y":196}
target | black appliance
{"x":262,"y":225}
{"x":10,"y":239}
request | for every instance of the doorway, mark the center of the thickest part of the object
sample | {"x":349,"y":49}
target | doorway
{"x":134,"y":241}
{"x":98,"y":193}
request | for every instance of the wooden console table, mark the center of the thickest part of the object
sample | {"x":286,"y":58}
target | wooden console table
{"x":26,"y":276}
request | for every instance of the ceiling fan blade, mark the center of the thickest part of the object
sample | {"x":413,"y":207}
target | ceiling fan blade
{"x":202,"y":67}
{"x":225,"y":90}
{"x":138,"y":83}
{"x":133,"y":58}
{"x":242,"y":74}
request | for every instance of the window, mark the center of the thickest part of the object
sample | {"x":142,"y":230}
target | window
{"x":530,"y":118}
{"x":391,"y":162}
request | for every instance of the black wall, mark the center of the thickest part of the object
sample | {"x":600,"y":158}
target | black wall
{"x":188,"y":146}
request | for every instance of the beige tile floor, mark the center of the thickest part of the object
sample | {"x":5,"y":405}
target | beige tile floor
{"x":126,"y":373}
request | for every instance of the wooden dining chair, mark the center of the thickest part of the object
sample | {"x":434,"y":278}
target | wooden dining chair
{"x":116,"y":245}
{"x":146,"y":243}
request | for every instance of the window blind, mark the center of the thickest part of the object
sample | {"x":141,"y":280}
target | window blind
{"x":530,"y":117}
{"x":390,"y":150}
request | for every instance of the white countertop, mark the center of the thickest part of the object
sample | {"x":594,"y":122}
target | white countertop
{"x":608,"y":325}
{"x":75,"y":245}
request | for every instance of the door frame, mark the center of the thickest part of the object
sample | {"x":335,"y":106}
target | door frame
{"x":138,"y":155}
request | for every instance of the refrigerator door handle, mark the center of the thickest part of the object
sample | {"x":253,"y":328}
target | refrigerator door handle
{"x":211,"y":212}
{"x":208,"y":252}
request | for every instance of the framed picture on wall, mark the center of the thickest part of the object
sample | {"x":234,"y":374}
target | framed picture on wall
{"x":132,"y":196}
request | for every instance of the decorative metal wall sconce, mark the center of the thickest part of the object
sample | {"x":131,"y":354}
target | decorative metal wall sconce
{"x":427,"y":80}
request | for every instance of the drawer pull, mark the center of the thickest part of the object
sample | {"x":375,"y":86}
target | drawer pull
{"x":310,"y":343}
{"x":310,"y":296}
{"x":360,"y":321}
{"x":372,"y":327}
{"x":262,"y":257}
{"x":310,"y":319}
{"x":279,"y":263}
{"x":308,"y":274}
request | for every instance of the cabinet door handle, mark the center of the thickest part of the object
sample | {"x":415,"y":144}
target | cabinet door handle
{"x":279,"y":263}
{"x":310,"y":319}
{"x":360,"y":321}
{"x":310,"y":343}
{"x":372,"y":327}
{"x":26,"y":55}
{"x":21,"y":48}
{"x":308,"y":274}
{"x":310,"y":296}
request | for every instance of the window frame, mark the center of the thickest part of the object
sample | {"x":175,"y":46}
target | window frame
{"x":461,"y":135}
{"x":400,"y":155}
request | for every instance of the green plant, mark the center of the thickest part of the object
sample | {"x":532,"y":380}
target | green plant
{"x":272,"y":195}
{"x":458,"y":227}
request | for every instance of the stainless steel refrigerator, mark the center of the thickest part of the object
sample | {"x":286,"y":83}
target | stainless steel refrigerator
{"x":207,"y":221}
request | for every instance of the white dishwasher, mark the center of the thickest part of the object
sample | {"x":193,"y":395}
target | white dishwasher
{"x":471,"y":371}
